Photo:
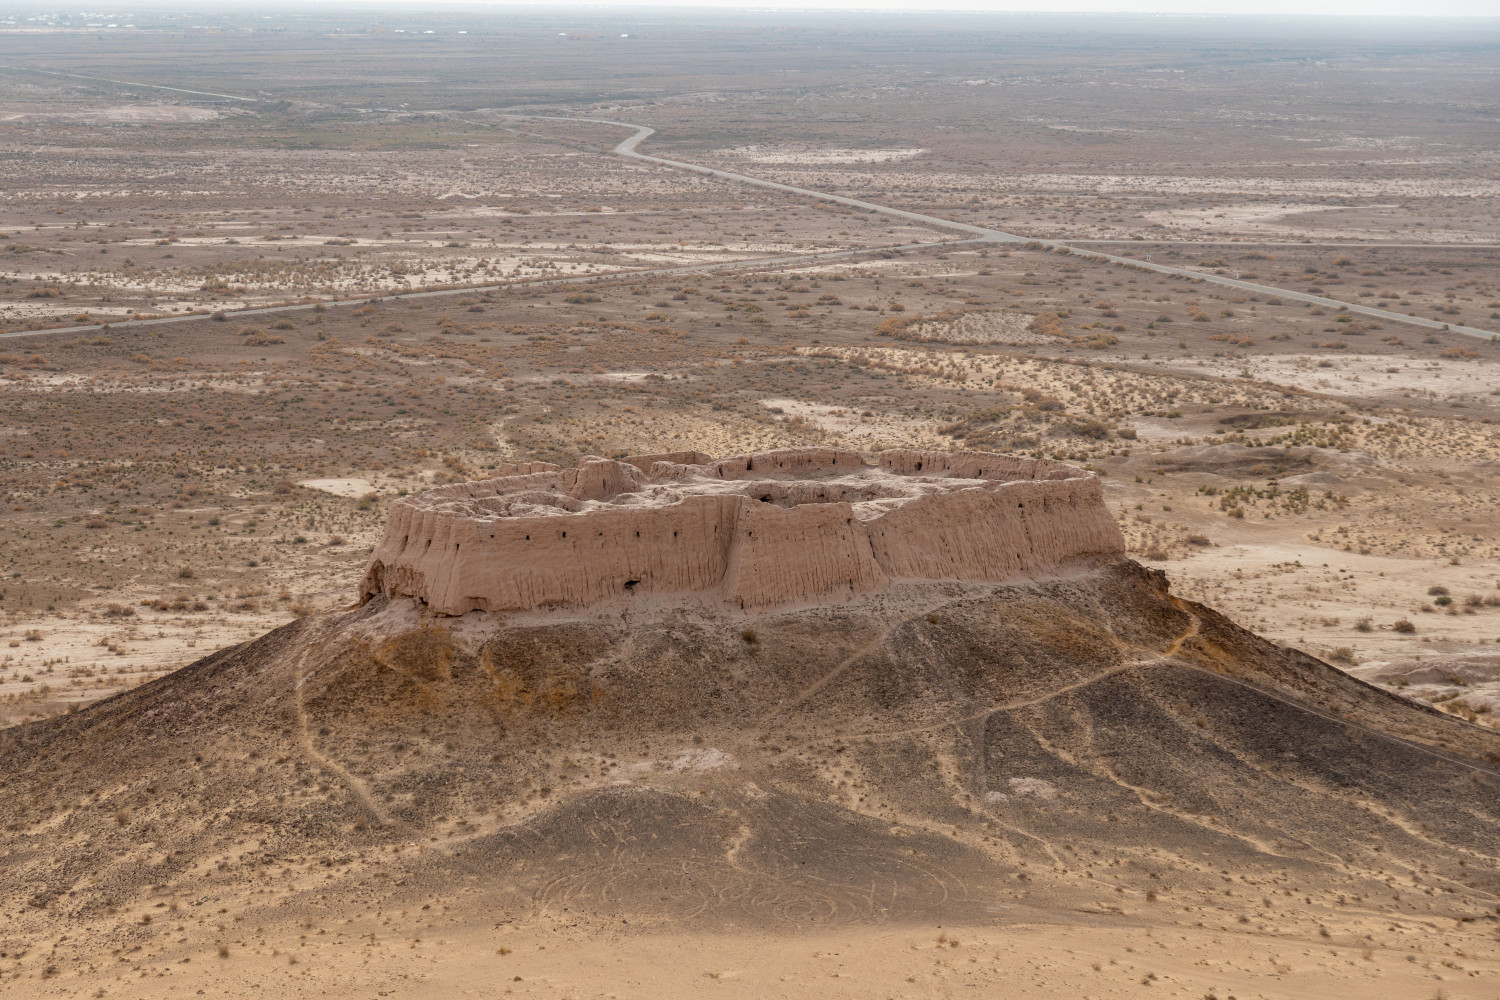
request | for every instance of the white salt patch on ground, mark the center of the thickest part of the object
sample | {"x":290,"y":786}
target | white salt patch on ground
{"x":1035,"y":787}
{"x":791,"y":154}
{"x":1357,"y":374}
{"x":340,"y":487}
{"x":701,"y":759}
{"x":853,"y":424}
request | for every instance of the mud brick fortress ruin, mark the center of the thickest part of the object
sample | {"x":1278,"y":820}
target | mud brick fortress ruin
{"x":762,"y":530}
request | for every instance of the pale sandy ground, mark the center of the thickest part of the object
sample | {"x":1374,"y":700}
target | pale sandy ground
{"x":793,"y":154}
{"x":1315,"y":597}
{"x":1357,"y":375}
{"x":340,"y":487}
{"x":1268,"y":575}
{"x":854,"y":424}
{"x":1090,"y":959}
{"x":80,"y":659}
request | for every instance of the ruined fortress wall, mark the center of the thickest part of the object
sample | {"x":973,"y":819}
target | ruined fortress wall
{"x":817,"y":550}
{"x":978,"y":534}
{"x":796,"y":462}
{"x":458,"y":564}
{"x":788,"y":540}
{"x":973,"y":465}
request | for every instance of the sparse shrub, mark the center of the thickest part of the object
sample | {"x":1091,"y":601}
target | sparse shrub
{"x":1437,"y":591}
{"x":1085,"y":428}
{"x":1404,"y":626}
{"x":1364,"y":625}
{"x":185,"y":573}
{"x":1047,"y":325}
{"x":749,"y":636}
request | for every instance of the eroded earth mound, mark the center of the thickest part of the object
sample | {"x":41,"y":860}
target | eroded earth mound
{"x":330,"y":807}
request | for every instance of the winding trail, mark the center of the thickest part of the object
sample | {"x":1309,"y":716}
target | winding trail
{"x":1169,"y":657}
{"x":300,"y":675}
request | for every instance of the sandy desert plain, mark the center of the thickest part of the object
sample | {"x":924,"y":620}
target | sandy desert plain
{"x":217,"y":377}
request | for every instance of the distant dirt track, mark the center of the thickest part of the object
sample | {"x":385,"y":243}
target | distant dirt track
{"x":972,"y":235}
{"x":628,"y":148}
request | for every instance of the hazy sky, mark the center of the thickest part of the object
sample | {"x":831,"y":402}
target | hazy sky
{"x":1424,"y":8}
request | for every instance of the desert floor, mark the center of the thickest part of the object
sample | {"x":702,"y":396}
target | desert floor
{"x":172,"y":488}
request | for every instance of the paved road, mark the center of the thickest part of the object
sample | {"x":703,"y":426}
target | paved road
{"x":712,"y":267}
{"x":972,"y":235}
{"x":130,"y":83}
{"x":628,"y":149}
{"x":1352,"y":245}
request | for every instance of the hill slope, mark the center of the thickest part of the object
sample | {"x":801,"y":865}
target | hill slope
{"x":1085,"y":748}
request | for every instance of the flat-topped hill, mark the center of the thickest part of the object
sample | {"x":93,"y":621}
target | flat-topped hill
{"x":759,"y":530}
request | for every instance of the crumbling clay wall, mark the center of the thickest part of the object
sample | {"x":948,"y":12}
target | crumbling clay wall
{"x":772,"y":528}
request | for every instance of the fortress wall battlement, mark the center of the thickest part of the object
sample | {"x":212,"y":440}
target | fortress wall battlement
{"x":761,"y":530}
